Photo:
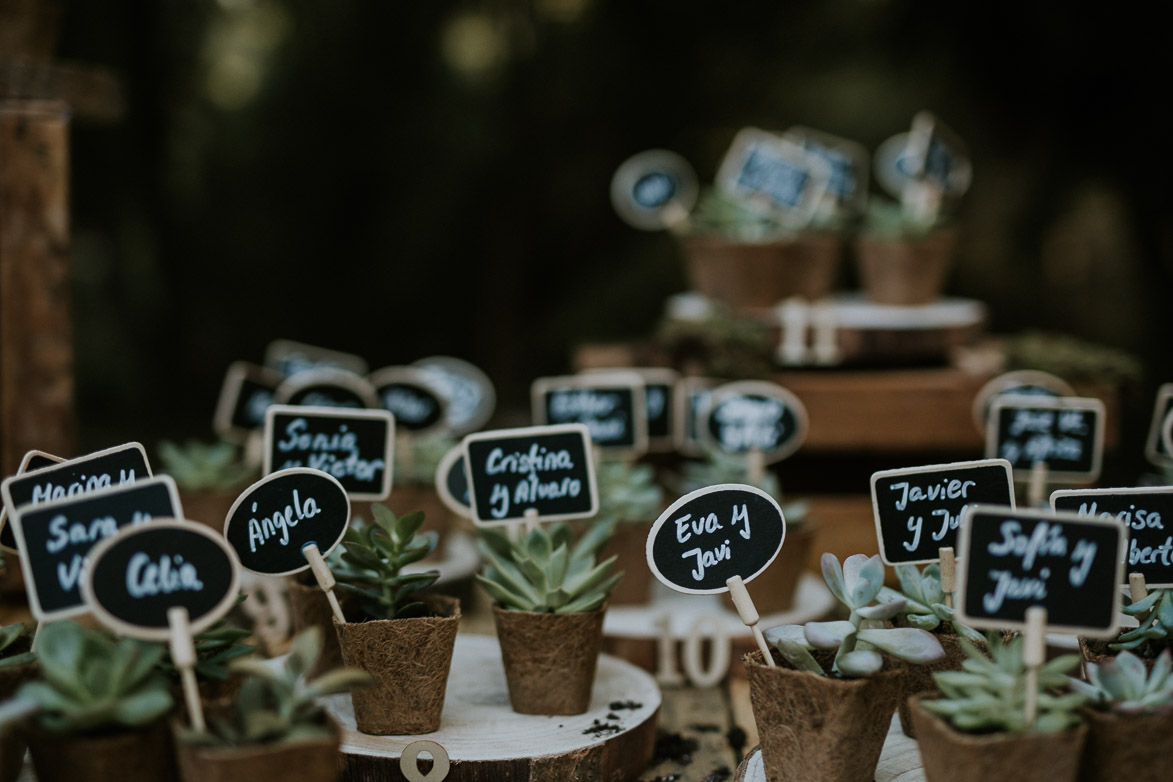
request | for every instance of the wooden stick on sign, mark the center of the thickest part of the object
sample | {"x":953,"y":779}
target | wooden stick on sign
{"x":1037,"y":491}
{"x":531,"y":519}
{"x":749,"y":615}
{"x":1137,"y":589}
{"x":1034,"y":654}
{"x":183,"y":654}
{"x":755,"y":463}
{"x":948,"y":573}
{"x":324,"y":577}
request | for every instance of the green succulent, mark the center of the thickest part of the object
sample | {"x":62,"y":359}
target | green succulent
{"x":719,"y":467}
{"x":373,"y":559}
{"x":14,"y":645}
{"x":1123,"y":684}
{"x":93,"y":682}
{"x":988,"y":694}
{"x":723,"y":346}
{"x":628,"y":492}
{"x":278,"y":704}
{"x":888,"y":221}
{"x":924,"y":605}
{"x":425,"y":454}
{"x":858,"y":640}
{"x":215,"y":648}
{"x":1071,"y":357}
{"x":1155,"y":616}
{"x":197,"y":466}
{"x":728,"y":217}
{"x":547,"y":571}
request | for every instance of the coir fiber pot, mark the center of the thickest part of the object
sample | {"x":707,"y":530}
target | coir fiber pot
{"x":905,"y":272}
{"x":12,"y":741}
{"x":305,"y":761}
{"x":951,"y":756}
{"x":629,"y":544}
{"x":815,"y":727}
{"x":1095,"y":650}
{"x":550,"y":659}
{"x":774,"y":590}
{"x":755,"y":276}
{"x":919,"y":678}
{"x":126,"y":756}
{"x":1133,"y":747}
{"x":409,"y":661}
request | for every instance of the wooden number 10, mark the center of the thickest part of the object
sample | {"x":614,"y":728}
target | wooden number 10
{"x":693,"y":658}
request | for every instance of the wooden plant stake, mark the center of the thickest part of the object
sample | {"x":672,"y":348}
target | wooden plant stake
{"x":183,"y":654}
{"x":324,"y":577}
{"x":794,"y":315}
{"x":749,"y":615}
{"x":755,"y":463}
{"x":1037,"y":491}
{"x":532,"y":520}
{"x":1034,"y":654}
{"x":1137,"y":589}
{"x":948,"y":574}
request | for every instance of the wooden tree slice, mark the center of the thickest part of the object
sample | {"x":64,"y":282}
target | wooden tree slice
{"x":486,"y":741}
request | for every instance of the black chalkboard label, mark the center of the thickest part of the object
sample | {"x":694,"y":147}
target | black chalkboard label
{"x":272,"y":520}
{"x":326,"y":388}
{"x":33,"y":460}
{"x":1155,"y":449}
{"x":754,"y":415}
{"x":452,"y":483}
{"x":246,"y":393}
{"x":712,"y":534}
{"x":1145,"y":513}
{"x":118,"y":466}
{"x":1067,"y":434}
{"x":55,"y":537}
{"x":1020,"y":382}
{"x":690,"y":401}
{"x":547,"y":468}
{"x":846,"y":160}
{"x":468,"y":392}
{"x":774,"y":172}
{"x":135,"y":577}
{"x":289,"y":358}
{"x":659,"y":397}
{"x":918,"y":510}
{"x":611,"y":406}
{"x":409,"y":395}
{"x":1010,"y":560}
{"x":354,"y":446}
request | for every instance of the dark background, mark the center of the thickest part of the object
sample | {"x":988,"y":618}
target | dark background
{"x":399,"y":179}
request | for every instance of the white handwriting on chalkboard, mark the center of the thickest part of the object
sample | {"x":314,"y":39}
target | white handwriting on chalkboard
{"x":324,"y":451}
{"x":949,"y":488}
{"x":1041,"y":448}
{"x":1043,"y":443}
{"x":296,"y":438}
{"x":1138,"y":519}
{"x":65,"y":533}
{"x":259,"y":532}
{"x":746,"y":423}
{"x":146,"y":579}
{"x":536,"y":458}
{"x":48,"y":490}
{"x":530,"y":488}
{"x":687,"y":527}
{"x":1045,"y":541}
{"x":406,"y":405}
{"x":584,"y":403}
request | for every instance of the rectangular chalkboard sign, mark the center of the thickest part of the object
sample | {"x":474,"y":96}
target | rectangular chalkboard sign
{"x":1147,"y":515}
{"x":118,"y":466}
{"x":33,"y":460}
{"x":1066,"y":434}
{"x":54,"y":537}
{"x":918,"y":510}
{"x":246,"y":393}
{"x":690,"y":403}
{"x":549,"y":469}
{"x":1154,"y":447}
{"x":1010,"y":560}
{"x":659,"y":393}
{"x":354,"y":446}
{"x":611,"y":405}
{"x":773,"y":171}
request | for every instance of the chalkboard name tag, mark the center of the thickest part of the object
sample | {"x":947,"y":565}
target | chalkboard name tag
{"x":55,"y":537}
{"x":712,"y":534}
{"x":690,"y":401}
{"x":918,"y":510}
{"x":1066,"y":434}
{"x":410,"y":396}
{"x":774,"y":173}
{"x":549,"y":469}
{"x":1145,"y":513}
{"x":846,"y":160}
{"x":468,"y":392}
{"x":118,"y":466}
{"x":452,"y":483}
{"x":754,"y":415}
{"x":1155,"y":448}
{"x":327,"y":388}
{"x":659,"y":394}
{"x":33,"y":460}
{"x":275,"y":518}
{"x":1021,"y":382}
{"x":354,"y":446}
{"x":1010,"y":560}
{"x":246,"y":393}
{"x":289,"y":358}
{"x":134,"y":577}
{"x":653,"y":189}
{"x":611,"y":405}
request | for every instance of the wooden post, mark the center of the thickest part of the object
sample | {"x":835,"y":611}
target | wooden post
{"x":183,"y":654}
{"x":755,"y":466}
{"x":1034,"y":654}
{"x":1137,"y":588}
{"x":324,"y":577}
{"x":1037,"y":490}
{"x":749,"y":615}
{"x":948,"y":573}
{"x":36,"y":333}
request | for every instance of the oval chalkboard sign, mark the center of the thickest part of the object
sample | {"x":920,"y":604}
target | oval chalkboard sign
{"x":246,"y":393}
{"x":409,"y":395}
{"x":754,"y":415}
{"x":272,"y":520}
{"x":469,"y":393}
{"x":326,"y":388}
{"x":712,"y":534}
{"x":452,"y":483}
{"x":134,"y":577}
{"x":654,"y":189}
{"x":289,"y":358}
{"x":1020,"y":382}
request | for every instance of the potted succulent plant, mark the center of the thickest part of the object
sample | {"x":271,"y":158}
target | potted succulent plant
{"x":99,"y":708}
{"x":1151,"y":636}
{"x":1129,"y":718}
{"x":903,"y":258}
{"x":209,"y":477}
{"x":215,"y":649}
{"x":18,"y":664}
{"x":823,"y":711}
{"x":924,"y":607}
{"x":977,"y":729}
{"x":406,"y":638}
{"x":276,"y":727}
{"x":629,"y":494}
{"x":550,"y":595}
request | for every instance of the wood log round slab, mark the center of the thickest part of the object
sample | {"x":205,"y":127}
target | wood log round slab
{"x":486,"y":741}
{"x":899,"y":762}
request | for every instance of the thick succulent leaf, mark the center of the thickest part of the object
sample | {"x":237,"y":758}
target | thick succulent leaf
{"x":1062,"y":664}
{"x":408,"y":525}
{"x":881,"y":611}
{"x":859,"y":664}
{"x":253,"y":667}
{"x":538,"y":546}
{"x":337,"y":681}
{"x":827,"y":635}
{"x":911,"y":606}
{"x":833,"y":575}
{"x":582,"y":583}
{"x":496,"y":541}
{"x":536,"y":576}
{"x":60,"y":649}
{"x":924,"y":621}
{"x":1143,"y":606}
{"x":797,"y":655}
{"x":930,"y":586}
{"x":794,"y":634}
{"x":1165,"y":611}
{"x":907,"y":643}
{"x":510,"y":576}
{"x":596,"y":536}
{"x":557,"y":566}
{"x":1159,"y":677}
{"x":383,"y":517}
{"x":583,"y":604}
{"x":143,"y":707}
{"x":506,"y":597}
{"x":1086,"y":689}
{"x":909,"y":578}
{"x":561,"y":535}
{"x":1134,"y":674}
{"x":863,"y":576}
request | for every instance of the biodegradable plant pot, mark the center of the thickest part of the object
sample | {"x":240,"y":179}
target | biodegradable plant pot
{"x":550,"y":659}
{"x":905,"y":272}
{"x":816,"y":727}
{"x":310,"y":608}
{"x":12,"y":742}
{"x":1095,"y":650}
{"x":951,"y":756}
{"x":774,"y":590}
{"x":629,"y":545}
{"x":1136,"y":747}
{"x":919,"y":678}
{"x":309,"y":761}
{"x":409,"y":660}
{"x":125,"y":756}
{"x":754,"y":276}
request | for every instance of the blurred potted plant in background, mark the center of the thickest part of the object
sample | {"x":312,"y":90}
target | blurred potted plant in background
{"x":209,"y":476}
